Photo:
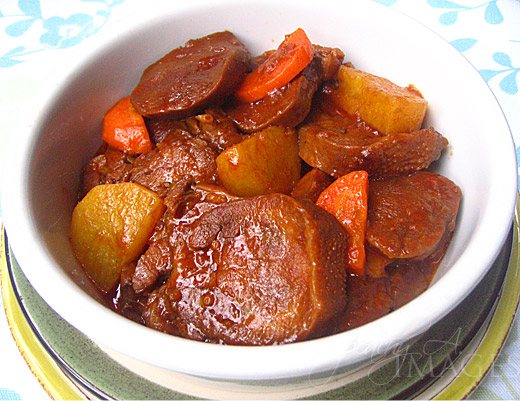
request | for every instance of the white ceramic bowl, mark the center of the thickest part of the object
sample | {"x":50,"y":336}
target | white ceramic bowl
{"x":63,"y":132}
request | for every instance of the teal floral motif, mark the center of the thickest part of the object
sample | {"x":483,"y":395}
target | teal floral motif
{"x":59,"y":31}
{"x":492,"y":13}
{"x":509,"y":74}
{"x":8,"y":394}
{"x":10,"y":58}
{"x":62,"y":33}
{"x":31,"y":11}
{"x":463,"y":44}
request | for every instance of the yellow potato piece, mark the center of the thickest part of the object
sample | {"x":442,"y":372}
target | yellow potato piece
{"x":266,"y":162}
{"x":110,"y":227}
{"x":385,"y":106}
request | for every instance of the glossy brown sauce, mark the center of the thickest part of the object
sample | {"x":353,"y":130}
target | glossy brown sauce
{"x":369,"y":298}
{"x":237,"y":285}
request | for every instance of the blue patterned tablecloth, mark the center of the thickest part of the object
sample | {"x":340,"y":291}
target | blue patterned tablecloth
{"x":487,"y":33}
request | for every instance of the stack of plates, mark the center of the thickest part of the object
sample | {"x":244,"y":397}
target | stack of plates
{"x":447,"y":362}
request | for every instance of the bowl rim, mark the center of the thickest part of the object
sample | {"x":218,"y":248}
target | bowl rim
{"x":292,"y":359}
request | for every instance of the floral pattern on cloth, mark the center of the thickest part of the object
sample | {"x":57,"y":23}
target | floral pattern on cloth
{"x":450,"y":13}
{"x":487,"y":34}
{"x":43,"y":32}
{"x":492,"y":13}
{"x":7,"y":394}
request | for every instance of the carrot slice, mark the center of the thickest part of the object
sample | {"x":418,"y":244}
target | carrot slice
{"x":124,"y":128}
{"x":347,"y":199}
{"x":291,"y":57}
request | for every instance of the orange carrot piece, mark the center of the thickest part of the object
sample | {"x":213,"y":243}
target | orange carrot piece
{"x":347,"y":199}
{"x":291,"y":57}
{"x":124,"y":128}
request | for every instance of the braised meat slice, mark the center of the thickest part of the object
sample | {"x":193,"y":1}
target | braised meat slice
{"x":190,"y":78}
{"x":261,"y":270}
{"x":371,"y":298}
{"x":159,"y":128}
{"x":410,"y":216}
{"x":185,"y":203}
{"x":157,"y":261}
{"x":376,"y":262}
{"x":368,"y":301}
{"x":289,"y":105}
{"x":329,"y":60}
{"x":179,"y":157}
{"x":339,"y":144}
{"x":129,"y":303}
{"x":214,"y":126}
{"x":108,"y":166}
{"x":311,"y":185}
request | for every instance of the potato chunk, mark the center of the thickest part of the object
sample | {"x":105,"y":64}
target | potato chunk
{"x":110,"y":227}
{"x":266,"y":162}
{"x":385,"y":106}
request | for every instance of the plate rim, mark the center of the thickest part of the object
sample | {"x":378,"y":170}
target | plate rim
{"x":501,"y":318}
{"x":41,"y":364}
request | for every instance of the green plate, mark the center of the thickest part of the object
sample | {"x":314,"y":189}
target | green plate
{"x":447,"y":362}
